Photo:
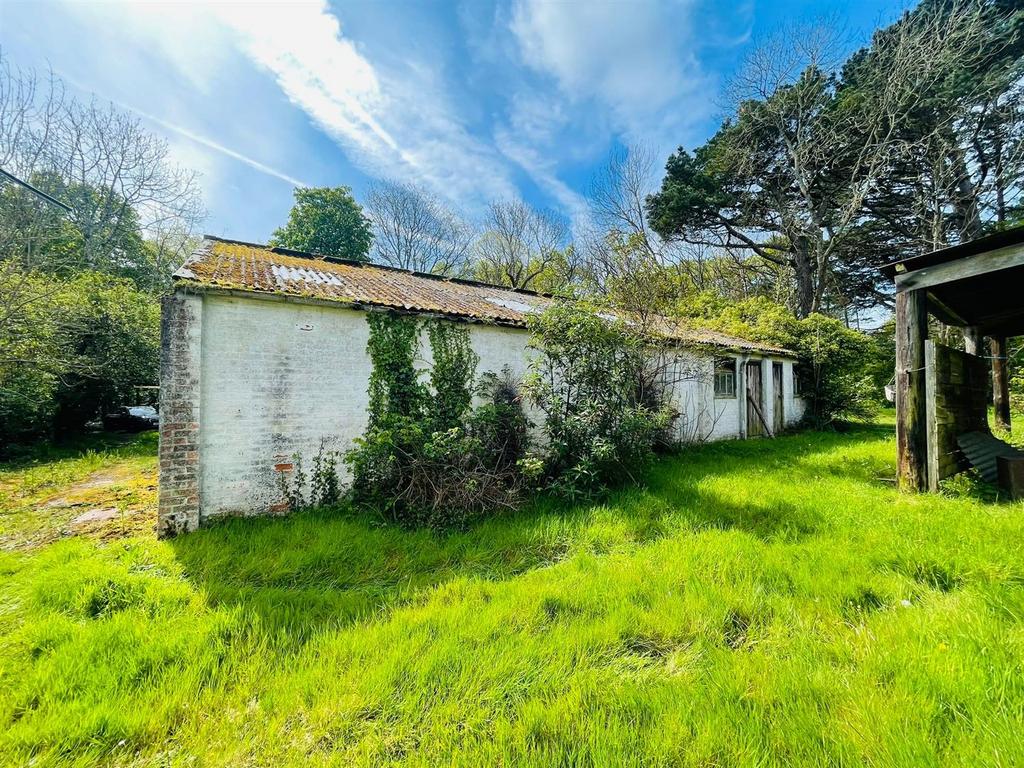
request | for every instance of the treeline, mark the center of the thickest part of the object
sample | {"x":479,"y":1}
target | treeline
{"x":825,"y":169}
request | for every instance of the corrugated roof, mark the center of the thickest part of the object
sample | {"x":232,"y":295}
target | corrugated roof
{"x":233,"y":265}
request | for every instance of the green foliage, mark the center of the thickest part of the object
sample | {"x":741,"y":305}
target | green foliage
{"x":324,"y":486}
{"x":424,"y":458}
{"x":451,"y":374}
{"x":395,"y":390}
{"x":1015,"y":355}
{"x":840,"y":369}
{"x":499,"y":424}
{"x":112,"y":340}
{"x":328,"y":221}
{"x":585,"y":378}
{"x":843,"y":169}
{"x":834,"y":379}
{"x":70,"y":347}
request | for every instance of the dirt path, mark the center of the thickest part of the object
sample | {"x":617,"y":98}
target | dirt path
{"x":116,"y":500}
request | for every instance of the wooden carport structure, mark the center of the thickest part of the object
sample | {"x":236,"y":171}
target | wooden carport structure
{"x":942,"y":393}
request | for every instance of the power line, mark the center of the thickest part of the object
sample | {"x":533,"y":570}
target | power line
{"x":35,"y":191}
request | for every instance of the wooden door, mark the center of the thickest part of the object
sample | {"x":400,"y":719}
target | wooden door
{"x":755,"y":393}
{"x":780,"y":399}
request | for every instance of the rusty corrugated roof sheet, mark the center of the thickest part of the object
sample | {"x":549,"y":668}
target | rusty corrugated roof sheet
{"x":233,"y":265}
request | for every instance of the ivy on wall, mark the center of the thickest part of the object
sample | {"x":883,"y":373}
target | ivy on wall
{"x":394,"y":388}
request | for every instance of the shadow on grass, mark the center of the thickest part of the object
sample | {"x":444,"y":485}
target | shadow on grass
{"x":333,"y":567}
{"x":123,"y":445}
{"x":329,"y":568}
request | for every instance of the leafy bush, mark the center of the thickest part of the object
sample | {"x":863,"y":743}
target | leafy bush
{"x":839,"y":367}
{"x":499,"y":424}
{"x":834,"y":378}
{"x":425,"y":458}
{"x":69,"y":348}
{"x":600,"y":425}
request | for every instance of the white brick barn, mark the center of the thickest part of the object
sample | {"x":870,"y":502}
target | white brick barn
{"x":264,"y":355}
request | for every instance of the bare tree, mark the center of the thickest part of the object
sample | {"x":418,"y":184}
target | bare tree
{"x":414,"y":230}
{"x":627,"y":261}
{"x":116,"y":176}
{"x":519,"y":243}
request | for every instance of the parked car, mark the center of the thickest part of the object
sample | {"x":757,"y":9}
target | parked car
{"x":132,"y":418}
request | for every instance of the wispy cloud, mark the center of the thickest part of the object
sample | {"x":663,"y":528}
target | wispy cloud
{"x":220,"y":148}
{"x":636,"y":62}
{"x":391,"y":123}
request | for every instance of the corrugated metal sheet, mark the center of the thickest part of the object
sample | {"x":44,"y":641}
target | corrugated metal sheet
{"x":233,"y":265}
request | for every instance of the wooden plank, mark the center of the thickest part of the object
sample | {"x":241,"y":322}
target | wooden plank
{"x":757,"y":410}
{"x":1000,"y":382}
{"x":970,"y":266}
{"x":754,"y":394}
{"x":911,"y":433}
{"x":931,"y":416}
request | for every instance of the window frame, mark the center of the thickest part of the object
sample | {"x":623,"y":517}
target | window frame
{"x":718,"y":369}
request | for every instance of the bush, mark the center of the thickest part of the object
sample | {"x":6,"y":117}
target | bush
{"x":69,"y":348}
{"x":425,"y":458}
{"x":834,"y":372}
{"x":600,"y":424}
{"x":839,"y":368}
{"x":499,"y":425}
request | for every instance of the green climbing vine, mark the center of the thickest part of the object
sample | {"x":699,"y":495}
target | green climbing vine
{"x":427,"y":458}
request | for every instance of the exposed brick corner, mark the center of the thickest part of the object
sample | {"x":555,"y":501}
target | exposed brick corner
{"x":180,"y":351}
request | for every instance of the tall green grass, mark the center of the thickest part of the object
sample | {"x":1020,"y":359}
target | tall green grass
{"x":759,"y":603}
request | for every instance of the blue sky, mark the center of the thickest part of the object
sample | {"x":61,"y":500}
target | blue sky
{"x":475,"y":100}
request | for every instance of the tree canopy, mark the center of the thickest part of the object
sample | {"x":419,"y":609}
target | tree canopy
{"x":830,"y":169}
{"x":327,"y":221}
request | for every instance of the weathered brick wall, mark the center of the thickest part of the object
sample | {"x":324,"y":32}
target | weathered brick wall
{"x":180,"y":350}
{"x":273,"y":378}
{"x":279,"y":377}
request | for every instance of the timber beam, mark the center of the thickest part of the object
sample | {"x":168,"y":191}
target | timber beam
{"x":911,"y":416}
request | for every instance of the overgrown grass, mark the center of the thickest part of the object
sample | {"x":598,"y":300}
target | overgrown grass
{"x":47,"y":485}
{"x":760,"y":603}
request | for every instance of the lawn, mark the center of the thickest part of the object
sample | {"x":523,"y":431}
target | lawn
{"x":759,"y":603}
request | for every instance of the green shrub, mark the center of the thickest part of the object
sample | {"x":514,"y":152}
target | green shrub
{"x":841,"y":371}
{"x":499,"y":424}
{"x":601,"y":425}
{"x":70,"y":347}
{"x":834,"y":371}
{"x":426,"y":458}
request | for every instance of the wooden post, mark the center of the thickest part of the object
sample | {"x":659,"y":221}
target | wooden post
{"x":1000,"y":382}
{"x":911,"y":419}
{"x":972,"y":340}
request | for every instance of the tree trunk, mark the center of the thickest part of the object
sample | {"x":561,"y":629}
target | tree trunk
{"x":804,"y":273}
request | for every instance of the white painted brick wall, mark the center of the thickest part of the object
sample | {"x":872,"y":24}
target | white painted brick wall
{"x":279,"y":376}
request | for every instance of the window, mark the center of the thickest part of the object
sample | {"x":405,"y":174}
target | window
{"x":725,"y":377}
{"x":796,"y":382}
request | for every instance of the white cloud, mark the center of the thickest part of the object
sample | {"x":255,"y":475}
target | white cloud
{"x":392,"y":123}
{"x":633,"y":58}
{"x":543,"y":169}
